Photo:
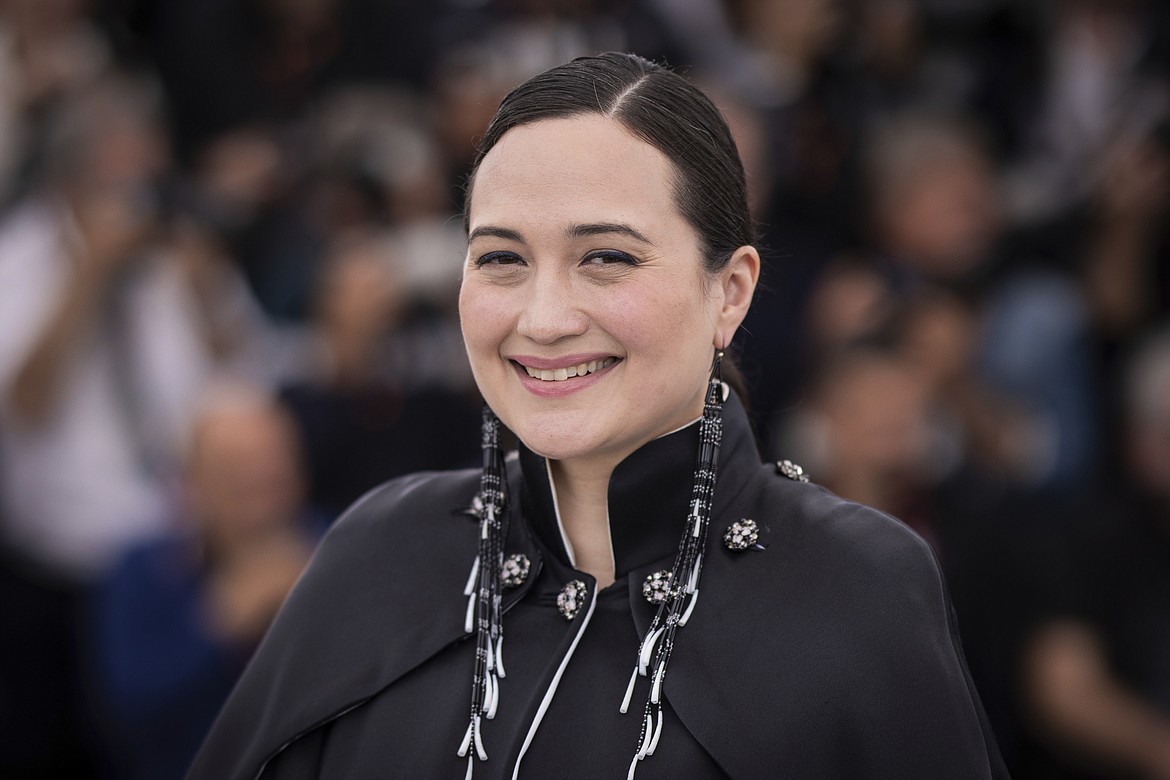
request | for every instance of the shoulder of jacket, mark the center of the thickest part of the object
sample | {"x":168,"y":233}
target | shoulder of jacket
{"x":414,"y":498}
{"x":804,"y":515}
{"x":398,"y":528}
{"x":391,"y":561}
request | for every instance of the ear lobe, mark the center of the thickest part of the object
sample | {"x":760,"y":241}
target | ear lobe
{"x":738,"y":281}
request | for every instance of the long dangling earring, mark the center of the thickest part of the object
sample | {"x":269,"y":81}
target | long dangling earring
{"x":483,"y":591}
{"x":683,"y":581}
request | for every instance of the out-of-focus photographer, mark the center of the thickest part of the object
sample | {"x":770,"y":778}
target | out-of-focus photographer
{"x":113,"y":312}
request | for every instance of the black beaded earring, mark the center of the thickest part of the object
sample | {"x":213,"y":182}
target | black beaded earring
{"x":483,"y":591}
{"x":682,"y":581}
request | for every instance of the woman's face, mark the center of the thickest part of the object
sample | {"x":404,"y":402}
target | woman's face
{"x":588,"y":318}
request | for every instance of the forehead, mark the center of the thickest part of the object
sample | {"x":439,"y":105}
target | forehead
{"x":583,"y":168}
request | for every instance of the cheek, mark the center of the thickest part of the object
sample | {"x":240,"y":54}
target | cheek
{"x":660,"y":322}
{"x":483,"y":317}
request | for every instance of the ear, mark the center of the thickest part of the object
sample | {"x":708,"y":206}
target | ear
{"x":737,"y":283}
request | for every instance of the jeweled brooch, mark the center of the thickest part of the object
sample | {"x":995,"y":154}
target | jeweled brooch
{"x":570,"y":599}
{"x":656,"y":587}
{"x":791,"y":470}
{"x":741,"y":534}
{"x":515,"y":570}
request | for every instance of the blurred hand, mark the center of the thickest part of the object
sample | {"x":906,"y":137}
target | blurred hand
{"x":247,"y":592}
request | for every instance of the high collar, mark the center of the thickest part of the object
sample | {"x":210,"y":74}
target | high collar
{"x":649,"y":491}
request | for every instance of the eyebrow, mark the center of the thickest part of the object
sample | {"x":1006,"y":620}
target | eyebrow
{"x":606,"y":228}
{"x":494,"y":232}
{"x":575,"y":231}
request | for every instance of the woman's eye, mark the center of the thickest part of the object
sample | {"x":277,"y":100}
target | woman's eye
{"x":498,"y":258}
{"x":609,"y":257}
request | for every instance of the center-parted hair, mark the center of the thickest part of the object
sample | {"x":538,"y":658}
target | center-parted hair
{"x":663,"y":109}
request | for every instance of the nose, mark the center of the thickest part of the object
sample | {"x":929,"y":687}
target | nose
{"x":550,"y":309}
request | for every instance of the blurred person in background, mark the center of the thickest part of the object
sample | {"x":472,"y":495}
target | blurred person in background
{"x":792,"y":86}
{"x":1103,"y":82}
{"x":364,"y":418}
{"x":365,"y":158}
{"x":382,"y":170}
{"x":241,"y":185}
{"x":1088,"y":195}
{"x":897,"y":417}
{"x":230,"y":63}
{"x":111,"y":317}
{"x":1098,"y":668}
{"x":882,"y":424}
{"x":1126,"y":264}
{"x":932,"y":208}
{"x":931,"y":226}
{"x":866,"y":432}
{"x":49,"y":53}
{"x":1125,"y":271}
{"x":935,"y":225}
{"x":492,"y":46}
{"x":177,"y":618}
{"x":790,"y":41}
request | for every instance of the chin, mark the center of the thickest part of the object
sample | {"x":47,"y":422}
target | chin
{"x":559,"y":436}
{"x":557,"y":443}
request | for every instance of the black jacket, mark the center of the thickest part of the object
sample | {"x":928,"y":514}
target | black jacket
{"x":833,"y":653}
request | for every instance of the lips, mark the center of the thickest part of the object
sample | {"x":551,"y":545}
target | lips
{"x":568,"y":372}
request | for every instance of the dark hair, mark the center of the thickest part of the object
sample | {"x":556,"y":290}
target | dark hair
{"x":660,"y":107}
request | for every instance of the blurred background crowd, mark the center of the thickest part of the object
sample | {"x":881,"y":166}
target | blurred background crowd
{"x":230,"y":248}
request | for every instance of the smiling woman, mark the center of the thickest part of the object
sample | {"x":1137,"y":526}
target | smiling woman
{"x":609,"y":262}
{"x":560,"y":272}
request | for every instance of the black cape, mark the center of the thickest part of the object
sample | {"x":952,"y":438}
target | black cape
{"x":832,"y":653}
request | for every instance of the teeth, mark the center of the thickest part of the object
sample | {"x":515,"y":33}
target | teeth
{"x":561,"y":374}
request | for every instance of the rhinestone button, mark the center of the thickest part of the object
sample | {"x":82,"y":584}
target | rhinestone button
{"x":791,"y":470}
{"x":570,"y":599}
{"x":515,"y":570}
{"x":741,"y":534}
{"x":657,"y":587}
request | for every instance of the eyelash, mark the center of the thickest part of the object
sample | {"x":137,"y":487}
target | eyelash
{"x":498,"y":258}
{"x":608,"y":257}
{"x":611,"y":254}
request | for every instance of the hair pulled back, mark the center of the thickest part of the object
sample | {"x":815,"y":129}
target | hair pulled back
{"x":663,"y":109}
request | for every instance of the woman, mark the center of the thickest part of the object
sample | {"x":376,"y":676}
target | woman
{"x":609,"y":260}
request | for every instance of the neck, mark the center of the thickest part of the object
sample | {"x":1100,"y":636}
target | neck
{"x":582,"y":492}
{"x":633,"y":509}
